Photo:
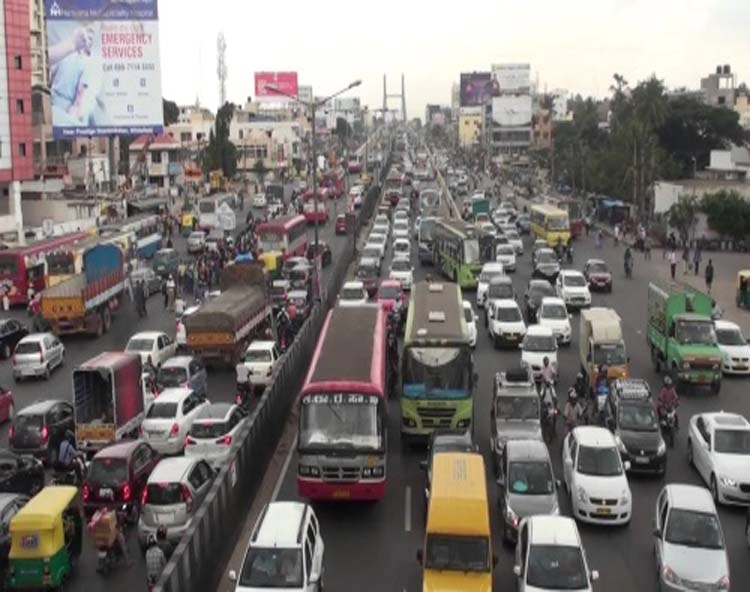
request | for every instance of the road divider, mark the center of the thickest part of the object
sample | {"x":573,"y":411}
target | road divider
{"x":450,"y":203}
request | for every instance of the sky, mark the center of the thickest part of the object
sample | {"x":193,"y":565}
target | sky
{"x":575,"y":45}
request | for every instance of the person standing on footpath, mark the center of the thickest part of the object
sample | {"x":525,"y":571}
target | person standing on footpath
{"x":686,"y":258}
{"x":709,"y":275}
{"x":697,"y":258}
{"x":672,"y":263}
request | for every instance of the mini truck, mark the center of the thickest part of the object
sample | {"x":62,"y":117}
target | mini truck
{"x":85,"y":302}
{"x":681,"y":335}
{"x":601,"y":343}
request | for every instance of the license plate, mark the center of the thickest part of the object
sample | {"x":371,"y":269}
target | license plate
{"x":603,"y":511}
{"x":341,"y":494}
{"x":641,"y":460}
{"x":702,"y":378}
{"x":108,"y":493}
{"x":165,"y":518}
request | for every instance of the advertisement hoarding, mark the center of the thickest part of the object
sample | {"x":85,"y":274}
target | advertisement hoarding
{"x":286,"y":82}
{"x":512,"y":110}
{"x":476,"y":89}
{"x":305,"y":94}
{"x":511,"y":78}
{"x":105,"y":75}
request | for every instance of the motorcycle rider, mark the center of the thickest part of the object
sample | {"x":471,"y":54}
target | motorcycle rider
{"x":581,"y":386}
{"x":69,"y":458}
{"x":155,"y":559}
{"x":548,"y":375}
{"x":667,"y":400}
{"x":573,"y":410}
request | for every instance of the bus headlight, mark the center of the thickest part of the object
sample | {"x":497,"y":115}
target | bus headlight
{"x":309,"y":471}
{"x":463,"y":423}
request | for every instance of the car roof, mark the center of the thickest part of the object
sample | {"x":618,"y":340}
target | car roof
{"x":553,"y":530}
{"x":353,"y":284}
{"x":35,"y":337}
{"x":147,"y":334}
{"x":571,"y":272}
{"x":297,"y":293}
{"x":505,"y":303}
{"x":261,"y":345}
{"x":119,"y":450}
{"x":402,"y":240}
{"x":592,"y":261}
{"x":492,"y":266}
{"x":173,"y":394}
{"x":726,"y":325}
{"x":537,"y":283}
{"x":39,"y":407}
{"x":539,"y":331}
{"x":594,"y":437}
{"x":369,"y":261}
{"x":177,"y":362}
{"x":172,"y":469}
{"x":390,"y":283}
{"x":552,"y":300}
{"x":531,"y":450}
{"x":501,"y":279}
{"x":215,"y":411}
{"x":727,"y":421}
{"x":280,"y":525}
{"x":690,"y":497}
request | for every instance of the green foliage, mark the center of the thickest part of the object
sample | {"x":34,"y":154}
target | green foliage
{"x":171,"y":111}
{"x":682,"y":215}
{"x":728,"y":213}
{"x":220,"y":152}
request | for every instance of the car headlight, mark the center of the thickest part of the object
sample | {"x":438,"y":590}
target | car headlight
{"x":308,"y":471}
{"x":625,"y":497}
{"x":378,"y":471}
{"x":582,"y":497}
{"x":662,"y":448}
{"x":671,"y":577}
{"x":511,"y":516}
{"x":464,"y":423}
{"x":620,"y":444}
{"x":727,"y":482}
{"x":685,"y":365}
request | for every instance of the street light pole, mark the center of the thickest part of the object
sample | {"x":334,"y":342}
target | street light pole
{"x":313,"y":107}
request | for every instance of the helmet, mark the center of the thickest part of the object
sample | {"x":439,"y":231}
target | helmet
{"x":545,"y":361}
{"x":150,"y":540}
{"x":667,"y":381}
{"x":161,"y":533}
{"x":579,"y":376}
{"x":572,"y":394}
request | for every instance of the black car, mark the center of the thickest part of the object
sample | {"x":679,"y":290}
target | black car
{"x":598,"y":275}
{"x":20,"y":474}
{"x":10,"y":504}
{"x":39,"y":428}
{"x":535,"y":292}
{"x":546,"y":265}
{"x":11,"y":332}
{"x":326,"y":256}
{"x":445,"y":441}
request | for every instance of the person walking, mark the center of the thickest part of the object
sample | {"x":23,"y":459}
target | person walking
{"x":697,"y":259}
{"x":709,"y":275}
{"x":686,"y":259}
{"x":672,"y":263}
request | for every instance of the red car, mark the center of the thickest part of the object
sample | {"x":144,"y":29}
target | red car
{"x":341,"y":224}
{"x":390,"y":295}
{"x":6,"y":404}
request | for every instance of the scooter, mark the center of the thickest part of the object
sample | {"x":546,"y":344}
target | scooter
{"x":668,"y":423}
{"x":244,"y":395}
{"x":602,"y":392}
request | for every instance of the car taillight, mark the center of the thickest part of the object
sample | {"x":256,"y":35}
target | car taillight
{"x":189,"y":441}
{"x":45,"y":433}
{"x":237,"y":400}
{"x":144,"y":496}
{"x":225,"y":440}
{"x":186,"y":497}
{"x":126,"y":492}
{"x":175,"y":429}
{"x":85,"y":492}
{"x":10,"y":433}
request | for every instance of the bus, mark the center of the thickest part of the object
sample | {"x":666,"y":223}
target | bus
{"x":343,"y":420}
{"x":310,"y":206}
{"x":281,"y":238}
{"x":551,"y":224}
{"x":64,"y":263}
{"x":22,"y":268}
{"x":208,"y":208}
{"x":576,"y":216}
{"x":393,"y":187}
{"x":148,"y":230}
{"x":437,"y":368}
{"x":125,"y":239}
{"x":424,"y":239}
{"x":459,"y":250}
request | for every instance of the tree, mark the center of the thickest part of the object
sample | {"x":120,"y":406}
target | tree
{"x":728,"y":213}
{"x":343,"y":130}
{"x":171,"y":111}
{"x":221,"y":153}
{"x":682,"y":215}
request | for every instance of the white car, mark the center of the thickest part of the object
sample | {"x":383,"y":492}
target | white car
{"x":514,"y":239}
{"x":552,"y":313}
{"x":735,"y":350}
{"x":260,"y":359}
{"x":489,"y":272}
{"x":37,"y":354}
{"x":538,"y":343}
{"x":180,"y":337}
{"x":506,"y":254}
{"x":505,"y":323}
{"x":213,"y":430}
{"x":402,"y":271}
{"x":381,"y":220}
{"x":383,"y":229}
{"x":353,"y":294}
{"x":372,"y":251}
{"x":573,"y":288}
{"x":719,"y":449}
{"x":169,"y":418}
{"x":595,"y":477}
{"x":378,"y":240}
{"x":488,"y":227}
{"x":550,"y":552}
{"x":401,"y":247}
{"x":154,"y":347}
{"x":196,"y":241}
{"x":259,"y":200}
{"x":400,"y":229}
{"x":400,"y":216}
{"x":471,"y":322}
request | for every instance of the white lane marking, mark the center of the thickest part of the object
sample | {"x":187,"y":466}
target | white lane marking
{"x":407,"y":510}
{"x":284,"y":469}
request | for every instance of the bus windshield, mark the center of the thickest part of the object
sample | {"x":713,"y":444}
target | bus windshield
{"x":437,"y":372}
{"x":425,"y":230}
{"x":457,"y":553}
{"x":340,"y":421}
{"x":557,"y":223}
{"x":471,"y":251}
{"x":271,"y":240}
{"x":61,"y":264}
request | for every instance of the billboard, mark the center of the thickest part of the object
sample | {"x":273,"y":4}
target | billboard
{"x":476,"y":89}
{"x":512,"y":110}
{"x":286,"y":82}
{"x":511,"y":78}
{"x":105,"y":76}
{"x":305,"y":94}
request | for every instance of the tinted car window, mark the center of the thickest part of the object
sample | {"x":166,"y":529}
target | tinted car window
{"x":164,"y":494}
{"x":209,"y":430}
{"x":28,"y":347}
{"x":108,"y":471}
{"x":162,"y":411}
{"x":27,"y":422}
{"x":172,"y":376}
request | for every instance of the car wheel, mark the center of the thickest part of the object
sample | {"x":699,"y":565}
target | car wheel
{"x":6,"y":351}
{"x":714,"y":489}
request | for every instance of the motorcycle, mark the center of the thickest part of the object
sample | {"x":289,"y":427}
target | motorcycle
{"x":549,"y":420}
{"x":602,"y":392}
{"x":569,"y":255}
{"x":628,"y":268}
{"x":668,"y":423}
{"x":244,"y":395}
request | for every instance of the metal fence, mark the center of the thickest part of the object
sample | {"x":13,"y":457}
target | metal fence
{"x":217,"y":524}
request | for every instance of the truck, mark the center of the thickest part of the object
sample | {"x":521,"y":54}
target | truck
{"x":108,"y":401}
{"x":220,"y":331}
{"x":480,"y":205}
{"x":681,"y":335}
{"x":601,"y":343}
{"x":85,"y":302}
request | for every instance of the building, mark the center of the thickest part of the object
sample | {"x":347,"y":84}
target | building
{"x":38,"y":39}
{"x":730,"y":165}
{"x":742,"y":107}
{"x":192,"y":129}
{"x":560,"y":98}
{"x":16,"y":143}
{"x":512,"y":129}
{"x":719,"y":88}
{"x":470,"y":120}
{"x":455,"y":96}
{"x":277,"y":144}
{"x":155,"y":160}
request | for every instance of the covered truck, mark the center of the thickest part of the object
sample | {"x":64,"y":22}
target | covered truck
{"x":220,"y":331}
{"x":601,"y":343}
{"x":107,"y":399}
{"x":681,"y":335}
{"x":480,"y":204}
{"x":85,"y":302}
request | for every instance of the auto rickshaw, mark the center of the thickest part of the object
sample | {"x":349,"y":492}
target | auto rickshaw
{"x":46,"y":537}
{"x":187,"y":221}
{"x":743,"y":289}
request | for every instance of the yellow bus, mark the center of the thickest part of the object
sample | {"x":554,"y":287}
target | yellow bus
{"x":458,"y":541}
{"x":551,"y":224}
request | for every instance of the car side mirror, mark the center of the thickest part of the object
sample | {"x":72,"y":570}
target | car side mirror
{"x":594,"y":575}
{"x":517,"y":570}
{"x":314,"y":577}
{"x":232,"y":575}
{"x":420,"y":556}
{"x":657,"y":533}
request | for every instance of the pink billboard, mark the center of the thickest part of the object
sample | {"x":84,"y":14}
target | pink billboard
{"x":286,"y":82}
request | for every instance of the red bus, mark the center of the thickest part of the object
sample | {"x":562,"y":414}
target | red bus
{"x":281,"y":238}
{"x":575,"y":215}
{"x":393,"y":188}
{"x":309,"y":207}
{"x":24,"y":267}
{"x":343,"y":409}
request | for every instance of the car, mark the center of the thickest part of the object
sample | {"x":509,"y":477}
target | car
{"x":538,"y":343}
{"x":539,"y":243}
{"x":261,"y":358}
{"x":378,"y":229}
{"x":10,"y":504}
{"x":166,"y":262}
{"x":180,"y":337}
{"x":598,"y":275}
{"x":689,"y":547}
{"x":400,"y":229}
{"x":391,"y":296}
{"x":595,"y":477}
{"x":11,"y":332}
{"x":279,"y":292}
{"x":536,"y":291}
{"x":379,"y":240}
{"x":402,"y":271}
{"x":39,"y":428}
{"x":20,"y":473}
{"x":489,"y":271}
{"x":550,"y":556}
{"x":285,"y":551}
{"x":486,"y":225}
{"x":718,"y":447}
{"x":734,"y":347}
{"x":213,"y":431}
{"x":151,"y":282}
{"x":7,"y":405}
{"x":324,"y":249}
{"x":400,"y":216}
{"x":573,"y":288}
{"x":401,"y":247}
{"x":441,"y":441}
{"x":506,"y":254}
{"x":169,"y":418}
{"x":523,"y":222}
{"x":259,"y":200}
{"x":300,"y":276}
{"x":514,"y":239}
{"x":382,"y":219}
{"x":553,"y":314}
{"x":183,"y":371}
{"x":173,"y":493}
{"x":340,"y":225}
{"x":301,"y":301}
{"x":154,"y":347}
{"x":505,"y":323}
{"x":117,"y":475}
{"x":368,"y":272}
{"x":546,"y":264}
{"x":527,"y":485}
{"x":37,"y":355}
{"x":500,"y":288}
{"x":352,"y":293}
{"x":372,"y":251}
{"x":293,"y":263}
{"x":196,"y":241}
{"x":471,"y":322}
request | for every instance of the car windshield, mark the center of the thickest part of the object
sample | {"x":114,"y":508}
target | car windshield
{"x":400,"y":265}
{"x":24,"y":422}
{"x":575,"y":280}
{"x":639,"y":418}
{"x":553,"y":311}
{"x":272,"y":568}
{"x":598,"y":268}
{"x":610,"y":354}
{"x":546,"y":257}
{"x":501,"y":290}
{"x":365,"y":270}
{"x":471,"y":251}
{"x":505,"y":250}
{"x":693,"y":529}
{"x":163,"y":257}
{"x":507,"y":314}
{"x":342,"y":421}
{"x":539,"y":343}
{"x":457,"y":553}
{"x":730,"y":337}
{"x":510,"y":407}
{"x":732,"y":441}
{"x":401,"y":245}
{"x":107,"y":471}
{"x":388,"y":292}
{"x":258,"y":355}
{"x":530,"y":478}
{"x":162,"y":411}
{"x":371,"y":251}
{"x":140,"y":345}
{"x":352,"y":294}
{"x":172,"y":376}
{"x":556,"y":567}
{"x":597,"y":461}
{"x":695,"y":332}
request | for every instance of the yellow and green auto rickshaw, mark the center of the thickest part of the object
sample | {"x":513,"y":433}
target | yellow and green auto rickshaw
{"x":187,"y":221}
{"x":46,"y":537}
{"x":743,"y":288}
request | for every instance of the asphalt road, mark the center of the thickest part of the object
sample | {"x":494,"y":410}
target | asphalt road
{"x":221,"y":387}
{"x":372,"y":547}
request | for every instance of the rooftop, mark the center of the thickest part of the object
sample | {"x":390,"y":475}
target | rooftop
{"x":554,"y":530}
{"x":594,"y":437}
{"x":690,"y":497}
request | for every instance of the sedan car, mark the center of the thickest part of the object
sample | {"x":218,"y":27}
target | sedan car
{"x":506,"y":254}
{"x":154,"y":347}
{"x":20,"y":474}
{"x":402,"y":271}
{"x":573,"y":288}
{"x":598,"y":275}
{"x":632,"y":418}
{"x":524,"y":223}
{"x":471,"y":322}
{"x":11,"y":332}
{"x":352,"y":293}
{"x":169,"y":418}
{"x":151,"y":281}
{"x":734,"y":347}
{"x":37,"y":355}
{"x":213,"y":431}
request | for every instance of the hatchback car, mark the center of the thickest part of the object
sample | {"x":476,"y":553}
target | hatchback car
{"x":402,"y":271}
{"x":401,"y":247}
{"x":352,"y":294}
{"x":598,"y":275}
{"x":259,"y":200}
{"x":37,"y":355}
{"x":535,"y":292}
{"x":539,"y":343}
{"x":372,"y":251}
{"x":391,"y":296}
{"x":505,"y":323}
{"x":546,"y":264}
{"x":213,"y":431}
{"x":11,"y":332}
{"x":368,"y":272}
{"x":380,"y":240}
{"x":489,"y":272}
{"x":39,"y":428}
{"x":169,"y":418}
{"x":553,"y":314}
{"x":400,"y":229}
{"x":173,"y":493}
{"x":734,"y":347}
{"x":20,"y":473}
{"x":573,"y":288}
{"x":506,"y":254}
{"x":154,"y":347}
{"x":260,"y":359}
{"x":151,"y":282}
{"x":183,"y":371}
{"x":196,"y":241}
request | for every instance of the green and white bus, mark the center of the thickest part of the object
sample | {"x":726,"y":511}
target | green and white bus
{"x":438,"y":379}
{"x":459,"y":250}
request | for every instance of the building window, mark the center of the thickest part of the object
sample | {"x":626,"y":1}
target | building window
{"x":186,"y":137}
{"x":19,"y":105}
{"x":22,"y":150}
{"x":156,"y":157}
{"x":722,"y":100}
{"x":241,"y":134}
{"x":18,"y":62}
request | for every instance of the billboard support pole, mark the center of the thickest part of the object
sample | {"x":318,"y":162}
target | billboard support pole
{"x":112,"y":171}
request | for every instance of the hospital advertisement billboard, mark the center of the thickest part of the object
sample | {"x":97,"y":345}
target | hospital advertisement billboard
{"x":511,"y":79}
{"x":285,"y":82}
{"x":105,"y":75}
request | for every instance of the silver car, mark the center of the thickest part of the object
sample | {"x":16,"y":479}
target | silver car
{"x":183,"y":371}
{"x":151,"y":281}
{"x":37,"y":355}
{"x":196,"y":241}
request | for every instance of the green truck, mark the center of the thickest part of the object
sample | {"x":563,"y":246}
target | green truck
{"x":480,"y":204}
{"x":681,"y":335}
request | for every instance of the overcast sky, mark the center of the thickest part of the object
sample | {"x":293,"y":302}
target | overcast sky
{"x":576,"y":45}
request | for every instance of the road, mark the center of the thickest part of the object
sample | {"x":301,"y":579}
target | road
{"x":372,"y":547}
{"x":78,"y":350}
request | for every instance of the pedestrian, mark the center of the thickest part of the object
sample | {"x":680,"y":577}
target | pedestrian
{"x":697,"y":259}
{"x":165,"y":294}
{"x":672,"y":263}
{"x":709,"y":275}
{"x":647,"y":248}
{"x":686,"y":259}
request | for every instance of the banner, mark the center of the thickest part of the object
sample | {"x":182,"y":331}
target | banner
{"x":286,"y":82}
{"x":511,"y":79}
{"x":512,"y":110}
{"x":105,"y":75}
{"x":476,"y":89}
